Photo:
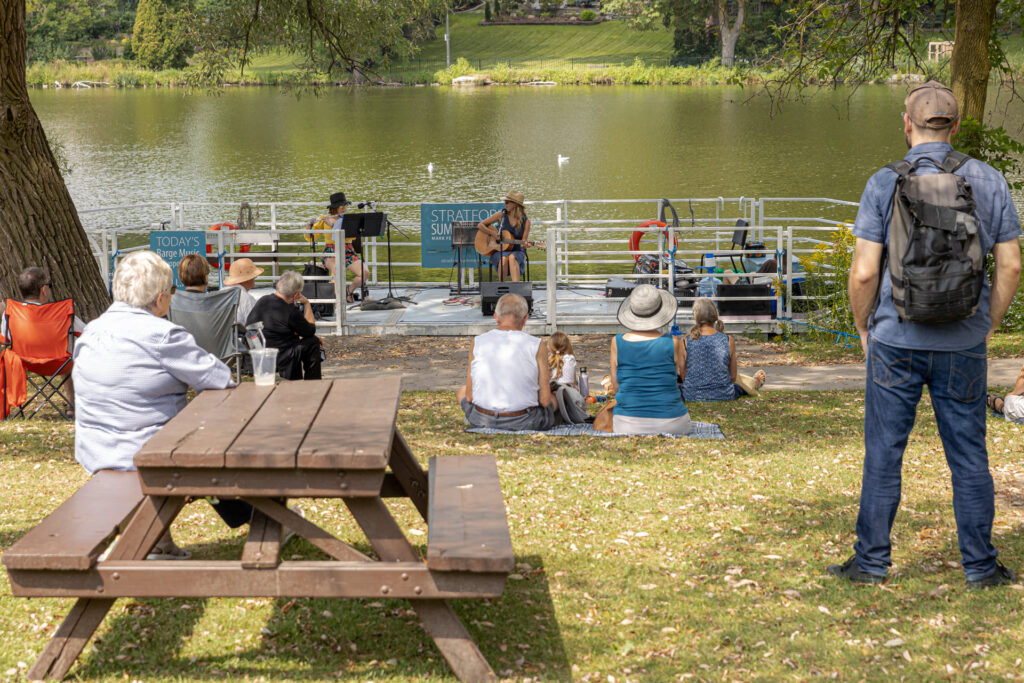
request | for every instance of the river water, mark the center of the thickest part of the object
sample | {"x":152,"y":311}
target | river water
{"x":128,"y":146}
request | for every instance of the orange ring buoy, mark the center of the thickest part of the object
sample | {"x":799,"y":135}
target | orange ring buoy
{"x":634,"y":239}
{"x":227,"y":225}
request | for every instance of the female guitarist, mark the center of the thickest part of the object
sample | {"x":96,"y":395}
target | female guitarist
{"x":513,"y":219}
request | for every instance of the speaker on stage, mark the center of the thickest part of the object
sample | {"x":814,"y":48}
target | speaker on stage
{"x":490,"y":292}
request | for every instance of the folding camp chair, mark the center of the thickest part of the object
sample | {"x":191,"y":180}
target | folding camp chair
{"x":42,"y":335}
{"x":210,"y":318}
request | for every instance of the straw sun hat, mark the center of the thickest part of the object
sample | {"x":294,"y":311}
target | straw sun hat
{"x":514,"y":196}
{"x":242,"y":270}
{"x":647,"y":308}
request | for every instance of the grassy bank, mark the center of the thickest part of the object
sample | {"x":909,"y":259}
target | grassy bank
{"x":638,"y":559}
{"x":606,"y":53}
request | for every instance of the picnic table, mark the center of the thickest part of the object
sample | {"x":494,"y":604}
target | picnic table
{"x":313,"y":439}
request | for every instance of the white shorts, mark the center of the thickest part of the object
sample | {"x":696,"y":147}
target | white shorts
{"x":625,"y":424}
{"x":1013,"y":408}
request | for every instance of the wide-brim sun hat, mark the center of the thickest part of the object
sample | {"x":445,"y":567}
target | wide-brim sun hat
{"x":647,"y":308}
{"x":242,"y":270}
{"x":514,"y":196}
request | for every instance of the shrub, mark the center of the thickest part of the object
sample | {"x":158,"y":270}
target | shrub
{"x":487,"y":11}
{"x":828,"y":270}
{"x":588,"y":15}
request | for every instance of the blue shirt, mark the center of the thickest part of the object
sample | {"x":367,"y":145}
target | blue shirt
{"x":131,"y":373}
{"x":646,"y":373}
{"x":998,"y":223}
{"x":707,"y":369}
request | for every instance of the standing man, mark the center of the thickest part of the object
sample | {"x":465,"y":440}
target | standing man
{"x":903,"y":356}
{"x":508,"y":384}
{"x":291,"y":332}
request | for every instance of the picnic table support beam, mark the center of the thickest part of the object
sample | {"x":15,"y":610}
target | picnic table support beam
{"x":337,"y":549}
{"x":410,"y":475}
{"x":437,"y":616}
{"x":151,"y":519}
{"x":70,"y":639}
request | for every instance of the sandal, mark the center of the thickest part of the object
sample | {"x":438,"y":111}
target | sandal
{"x":995,"y":402}
{"x":168,"y":551}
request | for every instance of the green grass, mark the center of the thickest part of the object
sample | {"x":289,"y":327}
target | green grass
{"x":610,"y":41}
{"x":638,"y":559}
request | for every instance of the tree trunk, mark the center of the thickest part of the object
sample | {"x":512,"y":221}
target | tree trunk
{"x":969,"y":66}
{"x":730,"y":33}
{"x":39,"y":225}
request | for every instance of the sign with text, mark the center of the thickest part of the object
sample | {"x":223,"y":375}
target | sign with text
{"x":436,"y":231}
{"x":173,"y":245}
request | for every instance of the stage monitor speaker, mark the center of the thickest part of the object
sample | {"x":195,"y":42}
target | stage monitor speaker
{"x":729,"y":306}
{"x":490,"y":292}
{"x":618,"y":287}
{"x":463,"y":234}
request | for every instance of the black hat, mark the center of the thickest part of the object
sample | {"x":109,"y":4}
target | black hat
{"x":338,"y":199}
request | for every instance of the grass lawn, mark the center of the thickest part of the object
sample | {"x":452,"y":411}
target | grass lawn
{"x":638,"y":559}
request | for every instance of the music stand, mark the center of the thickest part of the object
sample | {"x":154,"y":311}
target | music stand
{"x":356,"y":226}
{"x":463,"y":235}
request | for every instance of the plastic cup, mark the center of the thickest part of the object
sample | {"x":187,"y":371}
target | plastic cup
{"x":264,"y":366}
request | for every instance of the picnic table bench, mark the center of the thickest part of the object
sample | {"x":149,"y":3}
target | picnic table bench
{"x":322,"y":439}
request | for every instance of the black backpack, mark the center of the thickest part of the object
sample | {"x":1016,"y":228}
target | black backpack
{"x":936,"y":262}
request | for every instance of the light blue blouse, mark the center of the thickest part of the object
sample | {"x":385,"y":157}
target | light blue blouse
{"x":131,"y":373}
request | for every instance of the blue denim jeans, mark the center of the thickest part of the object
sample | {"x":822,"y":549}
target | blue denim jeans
{"x":956,"y":382}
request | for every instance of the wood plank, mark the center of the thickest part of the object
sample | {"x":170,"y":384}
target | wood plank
{"x":355,"y":425}
{"x":263,"y":544}
{"x":410,"y":474}
{"x":468,"y":529}
{"x":241,"y":482}
{"x":75,"y":534}
{"x":273,"y":436}
{"x":218,"y":578}
{"x":200,"y":434}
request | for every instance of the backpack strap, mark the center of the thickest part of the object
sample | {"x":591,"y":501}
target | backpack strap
{"x":953,"y":161}
{"x":902,"y":168}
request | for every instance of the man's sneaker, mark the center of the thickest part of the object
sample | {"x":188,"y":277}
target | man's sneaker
{"x":850,"y":570}
{"x":1000,"y":577}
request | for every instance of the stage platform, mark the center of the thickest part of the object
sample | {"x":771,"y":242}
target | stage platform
{"x":437,"y":312}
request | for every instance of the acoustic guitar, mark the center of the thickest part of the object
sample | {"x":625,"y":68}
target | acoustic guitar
{"x":487,"y":245}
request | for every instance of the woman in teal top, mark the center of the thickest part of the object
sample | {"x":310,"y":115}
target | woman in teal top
{"x":644,"y":367}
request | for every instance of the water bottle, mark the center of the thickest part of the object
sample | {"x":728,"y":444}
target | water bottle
{"x":708,"y":286}
{"x":710,"y":263}
{"x":584,"y":382}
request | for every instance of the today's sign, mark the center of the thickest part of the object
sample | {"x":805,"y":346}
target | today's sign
{"x":173,"y":245}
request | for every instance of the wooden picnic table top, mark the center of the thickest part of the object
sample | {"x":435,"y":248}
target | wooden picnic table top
{"x":344,"y":424}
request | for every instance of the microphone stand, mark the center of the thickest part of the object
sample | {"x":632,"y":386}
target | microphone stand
{"x":391,"y":300}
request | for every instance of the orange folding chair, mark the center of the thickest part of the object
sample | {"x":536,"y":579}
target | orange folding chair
{"x":42,"y":335}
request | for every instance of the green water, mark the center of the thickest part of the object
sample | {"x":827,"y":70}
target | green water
{"x":130,"y":146}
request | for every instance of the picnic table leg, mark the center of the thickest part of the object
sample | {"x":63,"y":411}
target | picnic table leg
{"x":65,"y":646}
{"x":147,"y":525}
{"x":437,"y":616}
{"x":410,"y":475}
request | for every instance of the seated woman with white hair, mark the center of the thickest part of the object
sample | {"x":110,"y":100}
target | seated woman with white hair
{"x":132,"y":369}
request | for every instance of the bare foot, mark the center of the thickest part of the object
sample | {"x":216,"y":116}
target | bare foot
{"x":759,"y":379}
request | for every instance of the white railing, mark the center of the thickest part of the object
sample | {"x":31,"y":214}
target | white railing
{"x":588,"y":240}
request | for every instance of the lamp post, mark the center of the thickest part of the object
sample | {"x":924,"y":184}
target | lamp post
{"x":447,"y":41}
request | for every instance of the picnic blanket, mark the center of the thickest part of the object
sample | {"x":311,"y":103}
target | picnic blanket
{"x":701,"y":430}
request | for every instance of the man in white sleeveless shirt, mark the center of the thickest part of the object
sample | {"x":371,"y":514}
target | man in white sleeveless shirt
{"x":507,"y":385}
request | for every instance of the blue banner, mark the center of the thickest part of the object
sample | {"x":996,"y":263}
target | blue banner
{"x":436,"y":231}
{"x":174,"y":245}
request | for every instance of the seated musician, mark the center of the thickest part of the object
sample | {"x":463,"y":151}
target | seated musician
{"x":513,"y":220}
{"x":508,"y":382}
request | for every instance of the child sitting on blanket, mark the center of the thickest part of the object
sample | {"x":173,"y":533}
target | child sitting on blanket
{"x":561,"y":360}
